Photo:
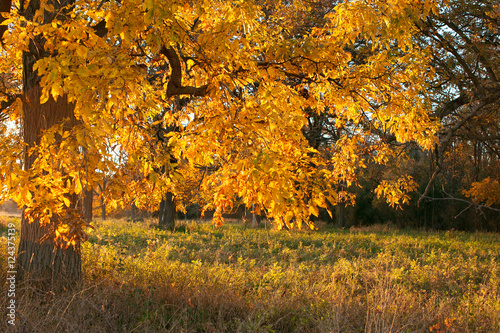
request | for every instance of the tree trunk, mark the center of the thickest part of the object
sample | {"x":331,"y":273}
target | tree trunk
{"x":341,"y":204}
{"x":88,"y":198}
{"x":341,"y":214}
{"x":103,"y":209}
{"x":103,"y":203}
{"x":166,"y":216}
{"x":255,"y":220}
{"x":43,"y":261}
{"x":133,"y":211}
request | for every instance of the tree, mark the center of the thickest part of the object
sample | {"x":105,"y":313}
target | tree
{"x":97,"y":72}
{"x":167,"y":211}
{"x":463,"y":40}
{"x":38,"y":254}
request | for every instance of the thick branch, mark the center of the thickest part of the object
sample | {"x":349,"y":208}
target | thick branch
{"x":174,"y":86}
{"x":446,"y":136}
{"x":100,"y":28}
{"x":428,"y":29}
{"x":452,"y":105}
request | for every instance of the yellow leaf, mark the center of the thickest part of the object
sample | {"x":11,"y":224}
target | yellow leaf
{"x":45,"y":96}
{"x":78,"y":186}
{"x":56,"y":91}
{"x":81,"y":51}
{"x":313,"y":210}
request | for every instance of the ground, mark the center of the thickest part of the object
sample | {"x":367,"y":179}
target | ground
{"x":237,"y":279}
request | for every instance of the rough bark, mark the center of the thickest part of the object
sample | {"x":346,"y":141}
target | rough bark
{"x":43,"y":261}
{"x":103,"y":209}
{"x":88,"y":198}
{"x":102,"y":188}
{"x":166,"y":218}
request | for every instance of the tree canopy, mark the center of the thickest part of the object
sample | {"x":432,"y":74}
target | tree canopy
{"x":244,"y":83}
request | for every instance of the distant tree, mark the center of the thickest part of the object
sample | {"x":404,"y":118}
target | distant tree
{"x":463,"y":42}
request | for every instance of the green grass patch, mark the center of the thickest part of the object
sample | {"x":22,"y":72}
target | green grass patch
{"x":138,"y":278}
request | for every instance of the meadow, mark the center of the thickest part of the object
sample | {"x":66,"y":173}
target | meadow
{"x":138,"y":278}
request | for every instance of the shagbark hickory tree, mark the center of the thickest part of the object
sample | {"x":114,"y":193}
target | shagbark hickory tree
{"x":93,"y":76}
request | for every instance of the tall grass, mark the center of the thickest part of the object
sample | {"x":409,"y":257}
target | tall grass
{"x":138,"y":278}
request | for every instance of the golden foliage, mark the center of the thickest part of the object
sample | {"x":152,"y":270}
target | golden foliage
{"x":486,"y":191}
{"x":396,"y":191}
{"x":241,"y":65}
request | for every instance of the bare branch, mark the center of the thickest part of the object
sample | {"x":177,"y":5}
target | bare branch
{"x":478,"y":206}
{"x":473,"y":45}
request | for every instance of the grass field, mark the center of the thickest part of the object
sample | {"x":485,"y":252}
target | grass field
{"x":138,"y":278}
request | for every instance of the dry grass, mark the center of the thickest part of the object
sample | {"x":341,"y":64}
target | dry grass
{"x":200,"y":279}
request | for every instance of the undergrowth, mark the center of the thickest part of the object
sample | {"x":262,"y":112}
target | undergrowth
{"x":138,"y":278}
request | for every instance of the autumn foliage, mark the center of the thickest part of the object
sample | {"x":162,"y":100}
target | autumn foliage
{"x":243,"y":83}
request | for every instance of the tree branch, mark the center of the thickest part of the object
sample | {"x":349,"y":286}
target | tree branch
{"x":100,"y":28}
{"x":451,"y":106}
{"x":174,"y":86}
{"x":474,"y":47}
{"x":471,"y":203}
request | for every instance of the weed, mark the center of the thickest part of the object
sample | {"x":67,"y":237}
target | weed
{"x":201,"y":279}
